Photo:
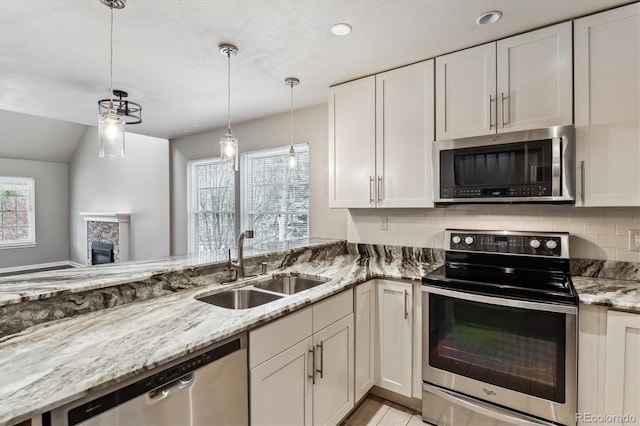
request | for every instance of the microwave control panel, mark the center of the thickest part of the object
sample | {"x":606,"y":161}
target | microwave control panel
{"x":516,"y":191}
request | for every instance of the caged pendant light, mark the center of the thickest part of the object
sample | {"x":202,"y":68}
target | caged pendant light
{"x":228,"y":143}
{"x":292,"y":160}
{"x":114,"y":113}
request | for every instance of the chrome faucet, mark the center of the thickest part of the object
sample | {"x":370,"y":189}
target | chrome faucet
{"x":238,"y":265}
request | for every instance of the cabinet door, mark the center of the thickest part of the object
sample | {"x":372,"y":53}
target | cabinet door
{"x":535,"y":79}
{"x":281,"y":390}
{"x":607,"y":66}
{"x":333,"y":392}
{"x":622,"y":383}
{"x":365,"y":309}
{"x":404,"y":136}
{"x":395,"y":328}
{"x":352,"y":144}
{"x":466,"y":93}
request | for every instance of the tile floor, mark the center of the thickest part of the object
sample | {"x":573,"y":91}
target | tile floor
{"x":377,"y":411}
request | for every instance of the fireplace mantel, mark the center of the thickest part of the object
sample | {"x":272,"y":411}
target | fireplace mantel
{"x":106,"y":217}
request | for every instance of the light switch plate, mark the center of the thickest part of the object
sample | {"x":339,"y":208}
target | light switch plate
{"x":384,"y":223}
{"x":634,"y":239}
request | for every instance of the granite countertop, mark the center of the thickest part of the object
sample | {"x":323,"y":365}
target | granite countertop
{"x":616,"y":294}
{"x":48,"y":365}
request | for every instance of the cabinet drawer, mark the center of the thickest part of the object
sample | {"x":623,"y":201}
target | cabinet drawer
{"x":279,"y":335}
{"x":331,"y":310}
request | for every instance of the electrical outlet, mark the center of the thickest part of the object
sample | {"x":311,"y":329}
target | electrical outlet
{"x":634,"y":239}
{"x":384,"y":223}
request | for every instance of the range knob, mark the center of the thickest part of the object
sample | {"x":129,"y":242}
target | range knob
{"x":534,"y":243}
{"x":469,"y":240}
{"x":551,"y":244}
{"x":456,"y":239}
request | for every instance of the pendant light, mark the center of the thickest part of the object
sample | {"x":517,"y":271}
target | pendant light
{"x":114,"y":113}
{"x":292,"y":161}
{"x":229,"y":144}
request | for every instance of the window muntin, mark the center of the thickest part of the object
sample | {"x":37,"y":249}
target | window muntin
{"x":17,"y":211}
{"x":212,"y":205}
{"x":275,"y":197}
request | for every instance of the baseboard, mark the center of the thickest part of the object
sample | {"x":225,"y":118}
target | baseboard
{"x":405,"y":401}
{"x":36,"y":266}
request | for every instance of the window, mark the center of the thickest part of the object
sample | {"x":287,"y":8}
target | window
{"x":212,"y":205}
{"x":275,"y":197}
{"x":274,"y":200}
{"x":17,"y":218}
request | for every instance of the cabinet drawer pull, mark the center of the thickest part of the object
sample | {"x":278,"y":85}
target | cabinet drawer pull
{"x":491,"y":101}
{"x":380,"y":189}
{"x":312,"y":376}
{"x":321,"y":370}
{"x":406,"y":310}
{"x":582,"y":182}
{"x":372,"y":181}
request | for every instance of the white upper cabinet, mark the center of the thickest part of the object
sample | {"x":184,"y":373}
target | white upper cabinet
{"x":607,"y":98}
{"x":519,"y":83}
{"x":404,"y":135}
{"x":352,"y":156}
{"x":535,"y":79}
{"x":380,"y":136}
{"x":466,"y":93}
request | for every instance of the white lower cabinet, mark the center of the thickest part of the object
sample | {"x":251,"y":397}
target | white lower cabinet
{"x":394,"y":369}
{"x":365,"y":328}
{"x":302,"y":365}
{"x":608,"y":366}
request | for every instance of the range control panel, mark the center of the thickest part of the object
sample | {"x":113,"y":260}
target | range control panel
{"x":544,"y":244}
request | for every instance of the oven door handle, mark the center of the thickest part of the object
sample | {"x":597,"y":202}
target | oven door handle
{"x":500,"y":301}
{"x":484,"y":408}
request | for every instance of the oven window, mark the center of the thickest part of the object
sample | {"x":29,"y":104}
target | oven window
{"x":518,"y":349}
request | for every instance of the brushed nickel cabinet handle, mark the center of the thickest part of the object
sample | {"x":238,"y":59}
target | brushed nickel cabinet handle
{"x":502,"y":98}
{"x":372,"y":181}
{"x":380,"y":189}
{"x":312,"y":376}
{"x":491,"y":101}
{"x":321,"y":370}
{"x":406,"y":311}
{"x":582,"y":181}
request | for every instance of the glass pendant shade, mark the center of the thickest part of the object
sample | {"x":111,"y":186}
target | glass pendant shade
{"x":229,"y":149}
{"x":111,"y":134}
{"x":292,"y":161}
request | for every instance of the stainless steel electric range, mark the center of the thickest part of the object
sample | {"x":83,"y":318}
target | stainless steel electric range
{"x":500,"y":331}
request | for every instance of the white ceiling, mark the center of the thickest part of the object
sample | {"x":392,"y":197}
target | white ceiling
{"x":54,"y":55}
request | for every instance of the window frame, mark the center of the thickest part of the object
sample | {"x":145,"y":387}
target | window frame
{"x":192,"y":196}
{"x":32,"y":214}
{"x":244,"y":193}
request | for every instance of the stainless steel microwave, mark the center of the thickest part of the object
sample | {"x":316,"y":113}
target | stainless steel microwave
{"x":528,"y":166}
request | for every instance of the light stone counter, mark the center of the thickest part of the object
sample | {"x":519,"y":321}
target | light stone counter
{"x":48,"y":365}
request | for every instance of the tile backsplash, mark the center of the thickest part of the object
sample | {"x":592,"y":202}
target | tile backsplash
{"x":596,"y":233}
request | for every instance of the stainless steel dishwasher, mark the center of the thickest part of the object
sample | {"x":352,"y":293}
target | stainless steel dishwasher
{"x":209,"y":387}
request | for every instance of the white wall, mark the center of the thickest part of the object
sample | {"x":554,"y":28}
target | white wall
{"x":138,"y":183}
{"x":310,"y":125}
{"x":52,"y":212}
{"x":596,"y":233}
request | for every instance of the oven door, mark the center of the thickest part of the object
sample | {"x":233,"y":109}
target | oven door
{"x":517,"y":354}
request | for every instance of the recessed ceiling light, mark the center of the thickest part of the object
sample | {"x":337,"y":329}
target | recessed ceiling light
{"x":489,"y":18}
{"x":341,"y":29}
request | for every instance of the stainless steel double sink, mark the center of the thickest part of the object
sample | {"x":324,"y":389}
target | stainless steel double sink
{"x":262,"y":292}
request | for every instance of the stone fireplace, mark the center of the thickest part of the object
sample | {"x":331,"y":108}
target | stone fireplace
{"x":109,"y":228}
